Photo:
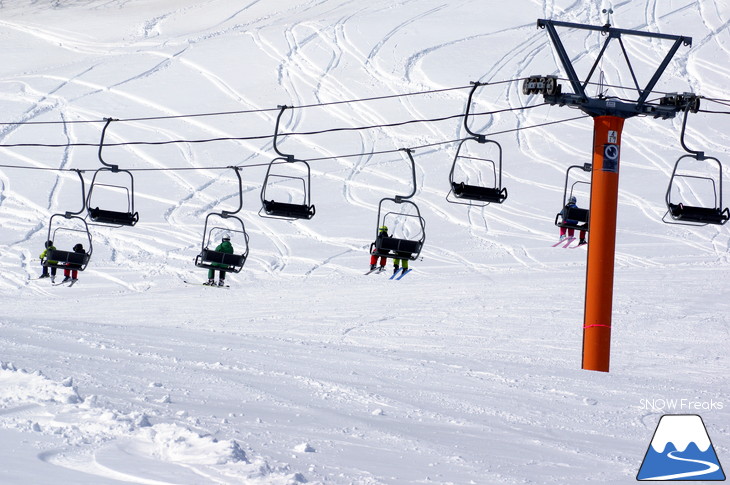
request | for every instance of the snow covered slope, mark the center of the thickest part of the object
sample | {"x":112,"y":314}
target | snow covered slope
{"x":467,"y":370}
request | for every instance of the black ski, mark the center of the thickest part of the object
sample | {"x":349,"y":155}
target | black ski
{"x":205,"y":284}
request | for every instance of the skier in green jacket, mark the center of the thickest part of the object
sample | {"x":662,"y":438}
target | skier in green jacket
{"x":224,"y":247}
{"x":44,"y":274}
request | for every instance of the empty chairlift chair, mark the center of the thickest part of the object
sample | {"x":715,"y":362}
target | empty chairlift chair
{"x":282,"y":171}
{"x":682,"y":212}
{"x":119,"y":216}
{"x":478,"y":193}
{"x":489,"y":168}
{"x":294,"y":209}
{"x":695,"y":172}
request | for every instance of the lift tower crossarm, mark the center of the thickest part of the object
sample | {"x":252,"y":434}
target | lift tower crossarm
{"x":603,"y":107}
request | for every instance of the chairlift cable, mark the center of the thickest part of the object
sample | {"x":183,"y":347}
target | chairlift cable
{"x":390,"y":96}
{"x":378,"y":152}
{"x":439,"y":143}
{"x":713,"y":112}
{"x":264,"y":137}
{"x":725,"y":102}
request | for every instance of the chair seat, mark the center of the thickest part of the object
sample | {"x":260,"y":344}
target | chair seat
{"x":291,"y":211}
{"x":475,"y":192}
{"x":702,"y":215}
{"x":113,"y":217}
{"x":397,"y":248}
{"x":66,"y":259}
{"x":227,"y":262}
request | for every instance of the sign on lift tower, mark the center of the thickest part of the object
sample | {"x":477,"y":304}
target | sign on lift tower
{"x":608,"y":119}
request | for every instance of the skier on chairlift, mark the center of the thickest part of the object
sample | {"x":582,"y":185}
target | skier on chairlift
{"x":71,"y":272}
{"x":396,"y":265}
{"x":572,"y":203}
{"x":44,"y":274}
{"x":382,"y":232}
{"x":224,"y":247}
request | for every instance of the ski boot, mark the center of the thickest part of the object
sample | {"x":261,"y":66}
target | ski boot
{"x":210,"y":282}
{"x":221,"y":283}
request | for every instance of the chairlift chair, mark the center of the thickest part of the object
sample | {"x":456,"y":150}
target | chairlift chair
{"x":683,"y":213}
{"x":476,"y":193}
{"x":212,"y":259}
{"x":484,"y":194}
{"x":400,"y":248}
{"x":303,"y":209}
{"x":57,"y":258}
{"x":579,"y":216}
{"x":287,"y":210}
{"x":106,"y":216}
{"x":680,"y":212}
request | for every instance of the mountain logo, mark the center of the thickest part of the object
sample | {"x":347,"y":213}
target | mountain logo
{"x":681,"y":450}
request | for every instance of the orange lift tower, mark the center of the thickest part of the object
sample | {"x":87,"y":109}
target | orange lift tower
{"x":608,"y":115}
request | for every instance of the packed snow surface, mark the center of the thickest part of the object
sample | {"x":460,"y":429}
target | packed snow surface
{"x":304,"y":370}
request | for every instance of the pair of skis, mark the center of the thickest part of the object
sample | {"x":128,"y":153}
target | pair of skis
{"x":566,"y":243}
{"x":400,"y":273}
{"x":205,"y":284}
{"x":70,"y":283}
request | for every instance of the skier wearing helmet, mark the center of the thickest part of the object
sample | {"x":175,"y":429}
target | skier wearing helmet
{"x":572,"y":203}
{"x":382,"y":232}
{"x":44,"y":274}
{"x":71,"y":272}
{"x":224,"y":247}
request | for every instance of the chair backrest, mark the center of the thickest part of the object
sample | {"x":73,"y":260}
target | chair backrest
{"x":576,"y":214}
{"x":476,"y":192}
{"x":113,"y":217}
{"x":283,"y":209}
{"x":69,"y":257}
{"x":698,"y":214}
{"x":211,"y":256}
{"x":399,"y":245}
